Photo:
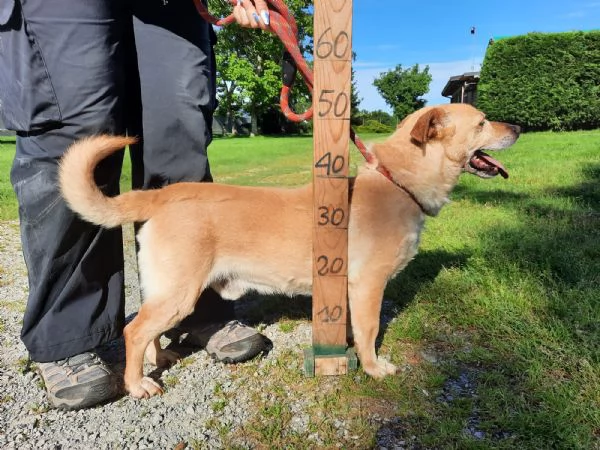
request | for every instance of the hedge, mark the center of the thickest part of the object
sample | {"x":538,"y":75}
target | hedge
{"x":543,"y":81}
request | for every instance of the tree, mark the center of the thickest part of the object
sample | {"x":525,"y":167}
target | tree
{"x":402,"y":88}
{"x":229,"y":94}
{"x":248,"y":63}
{"x":354,"y":97}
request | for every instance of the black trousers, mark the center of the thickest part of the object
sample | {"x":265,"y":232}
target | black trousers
{"x":73,"y":68}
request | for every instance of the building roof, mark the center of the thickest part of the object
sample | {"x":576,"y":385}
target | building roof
{"x":457,"y":81}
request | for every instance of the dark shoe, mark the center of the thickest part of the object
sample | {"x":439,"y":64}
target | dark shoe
{"x":230,"y":342}
{"x":80,"y":381}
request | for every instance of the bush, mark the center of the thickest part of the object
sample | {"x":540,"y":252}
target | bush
{"x":543,"y":81}
{"x":373,"y":126}
{"x":378,"y":115}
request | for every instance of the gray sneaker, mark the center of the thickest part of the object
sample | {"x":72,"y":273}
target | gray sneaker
{"x":80,"y":381}
{"x":230,"y":342}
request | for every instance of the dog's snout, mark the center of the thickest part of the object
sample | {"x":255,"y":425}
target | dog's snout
{"x":515,"y":128}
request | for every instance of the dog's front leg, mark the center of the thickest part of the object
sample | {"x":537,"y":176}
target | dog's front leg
{"x":365,"y":308}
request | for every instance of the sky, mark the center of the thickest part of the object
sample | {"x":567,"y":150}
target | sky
{"x":437,"y":34}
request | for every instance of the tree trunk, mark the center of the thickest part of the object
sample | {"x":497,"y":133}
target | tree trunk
{"x":254,"y":121}
{"x":230,"y":113}
{"x":230,"y":124}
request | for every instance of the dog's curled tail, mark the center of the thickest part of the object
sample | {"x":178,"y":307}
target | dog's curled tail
{"x":79,"y":188}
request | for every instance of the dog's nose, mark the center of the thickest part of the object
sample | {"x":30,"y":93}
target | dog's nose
{"x":516,"y":129}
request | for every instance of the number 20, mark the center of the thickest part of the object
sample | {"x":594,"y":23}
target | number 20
{"x":324,"y":267}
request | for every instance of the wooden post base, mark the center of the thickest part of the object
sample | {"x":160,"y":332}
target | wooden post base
{"x":329,"y":364}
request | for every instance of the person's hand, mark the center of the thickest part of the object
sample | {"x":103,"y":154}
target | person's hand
{"x":251,"y":13}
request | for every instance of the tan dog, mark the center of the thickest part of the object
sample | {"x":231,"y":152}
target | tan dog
{"x":237,"y":238}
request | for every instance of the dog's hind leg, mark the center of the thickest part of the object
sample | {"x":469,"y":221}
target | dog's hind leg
{"x":172,"y":275}
{"x":160,"y":357}
{"x":138,"y":334}
{"x":365,"y":299}
{"x":156,"y":316}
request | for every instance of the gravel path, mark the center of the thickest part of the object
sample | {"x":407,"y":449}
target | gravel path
{"x":185,"y":417}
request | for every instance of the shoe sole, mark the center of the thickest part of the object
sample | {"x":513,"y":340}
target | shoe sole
{"x":94,"y":395}
{"x":256,"y":346}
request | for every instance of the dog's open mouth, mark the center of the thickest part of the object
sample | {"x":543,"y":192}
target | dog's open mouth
{"x":483,"y":165}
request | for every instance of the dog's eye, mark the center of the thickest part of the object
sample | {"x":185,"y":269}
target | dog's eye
{"x":482,"y":123}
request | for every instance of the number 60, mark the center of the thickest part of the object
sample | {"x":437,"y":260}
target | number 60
{"x":338,"y":48}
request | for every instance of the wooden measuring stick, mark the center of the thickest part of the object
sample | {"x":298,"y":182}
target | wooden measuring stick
{"x":331,"y":131}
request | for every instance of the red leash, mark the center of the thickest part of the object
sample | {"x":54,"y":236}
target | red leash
{"x":284,"y":26}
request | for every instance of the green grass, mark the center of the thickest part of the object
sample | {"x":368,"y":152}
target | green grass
{"x":267,"y":161}
{"x":8,"y":202}
{"x":505,"y":292}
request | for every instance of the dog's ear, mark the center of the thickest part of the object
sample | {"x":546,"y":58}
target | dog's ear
{"x":427,"y":126}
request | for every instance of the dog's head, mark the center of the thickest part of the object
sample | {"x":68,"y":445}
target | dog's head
{"x":464,"y":133}
{"x":434,"y":145}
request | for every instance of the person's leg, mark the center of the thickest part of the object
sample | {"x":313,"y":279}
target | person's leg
{"x":178,"y":95}
{"x":62,"y":81}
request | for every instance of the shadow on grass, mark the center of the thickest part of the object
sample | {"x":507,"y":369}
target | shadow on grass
{"x":8,"y":140}
{"x":422,"y":270}
{"x":561,"y":240}
{"x":584,"y":195}
{"x":587,"y":194}
{"x":494,"y":197}
{"x":536,"y":388}
{"x":561,"y":248}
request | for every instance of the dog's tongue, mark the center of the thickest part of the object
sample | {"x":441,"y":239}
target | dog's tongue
{"x":492,"y":162}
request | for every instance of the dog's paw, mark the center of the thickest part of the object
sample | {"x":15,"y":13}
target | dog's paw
{"x":145,"y":388}
{"x":381,"y":368}
{"x":165,"y":358}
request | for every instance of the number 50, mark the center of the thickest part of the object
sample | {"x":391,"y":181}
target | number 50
{"x":339,"y":104}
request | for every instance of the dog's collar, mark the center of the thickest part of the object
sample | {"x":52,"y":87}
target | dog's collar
{"x":386,"y":173}
{"x":371,"y":159}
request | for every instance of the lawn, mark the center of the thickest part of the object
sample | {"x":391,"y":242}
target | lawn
{"x":496,"y":323}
